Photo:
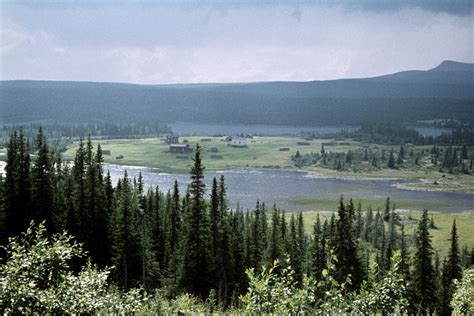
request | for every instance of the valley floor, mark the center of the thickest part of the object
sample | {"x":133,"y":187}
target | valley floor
{"x":276,"y":153}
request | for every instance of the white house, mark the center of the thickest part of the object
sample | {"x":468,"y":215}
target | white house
{"x":238,"y":142}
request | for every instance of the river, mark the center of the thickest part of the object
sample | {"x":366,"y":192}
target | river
{"x":280,"y":187}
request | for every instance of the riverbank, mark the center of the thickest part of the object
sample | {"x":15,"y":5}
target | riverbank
{"x":275,"y":152}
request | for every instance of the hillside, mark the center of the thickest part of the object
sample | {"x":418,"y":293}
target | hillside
{"x":442,"y":92}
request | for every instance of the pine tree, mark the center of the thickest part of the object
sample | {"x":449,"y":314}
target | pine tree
{"x":300,"y":247}
{"x":173,"y":238}
{"x":368,"y":231}
{"x":386,"y":214}
{"x":401,"y":153}
{"x":275,"y":245}
{"x":451,"y":271}
{"x":17,"y":185}
{"x":348,"y":262}
{"x":318,"y":251}
{"x":391,"y":160}
{"x":349,"y":157}
{"x":42,"y":185}
{"x":448,"y":158}
{"x":237,"y":279}
{"x":359,"y":220}
{"x":195,"y":277}
{"x":124,"y":236}
{"x":404,"y":255}
{"x":423,"y":270}
{"x":215,"y":218}
{"x":464,"y":154}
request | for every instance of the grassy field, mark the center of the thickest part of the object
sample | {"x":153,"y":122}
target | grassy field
{"x":261,"y":152}
{"x":331,"y":204}
{"x":440,"y":235}
{"x":264,"y":152}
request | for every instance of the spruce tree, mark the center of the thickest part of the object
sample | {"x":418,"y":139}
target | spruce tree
{"x":404,"y":255}
{"x":451,"y":271}
{"x":195,"y":277}
{"x":275,"y":245}
{"x":348,"y":261}
{"x":42,"y":184}
{"x":359,"y":221}
{"x":423,"y":270}
{"x":464,"y":152}
{"x":391,"y":160}
{"x":173,"y":237}
{"x":386,"y":214}
{"x":318,"y":251}
{"x":17,"y":185}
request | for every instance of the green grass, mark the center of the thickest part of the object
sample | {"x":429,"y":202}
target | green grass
{"x":331,"y":204}
{"x":263,"y":152}
{"x":440,"y":235}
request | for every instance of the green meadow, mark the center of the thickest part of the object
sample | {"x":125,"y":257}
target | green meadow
{"x":264,"y":152}
{"x":440,"y":235}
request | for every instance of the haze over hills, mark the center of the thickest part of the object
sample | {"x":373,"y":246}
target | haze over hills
{"x":446,"y":91}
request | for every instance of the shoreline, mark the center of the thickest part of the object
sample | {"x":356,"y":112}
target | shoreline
{"x":407,"y":183}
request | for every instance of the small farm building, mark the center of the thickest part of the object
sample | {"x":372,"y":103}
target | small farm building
{"x":180,"y":148}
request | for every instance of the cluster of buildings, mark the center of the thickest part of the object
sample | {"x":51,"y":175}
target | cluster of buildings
{"x":237,"y":141}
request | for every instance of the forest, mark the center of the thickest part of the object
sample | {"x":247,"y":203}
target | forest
{"x":76,"y":242}
{"x":404,"y":97}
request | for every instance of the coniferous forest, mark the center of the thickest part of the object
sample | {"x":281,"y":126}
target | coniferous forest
{"x":74,"y":242}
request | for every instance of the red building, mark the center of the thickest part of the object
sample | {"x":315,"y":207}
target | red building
{"x":180,"y":148}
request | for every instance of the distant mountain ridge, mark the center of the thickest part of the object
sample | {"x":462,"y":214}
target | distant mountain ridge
{"x":446,"y":91}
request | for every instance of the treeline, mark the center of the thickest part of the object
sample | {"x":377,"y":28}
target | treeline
{"x":452,"y":159}
{"x":395,"y":134}
{"x":182,"y":242}
{"x":60,"y":135}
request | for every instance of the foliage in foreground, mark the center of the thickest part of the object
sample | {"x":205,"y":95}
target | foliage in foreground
{"x":37,"y":278}
{"x":275,"y":291}
{"x":463,"y":298}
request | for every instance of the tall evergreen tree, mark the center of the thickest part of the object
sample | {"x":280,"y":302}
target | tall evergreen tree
{"x":195,"y":276}
{"x":464,"y":154}
{"x":404,"y":255}
{"x":42,"y":184}
{"x":391,"y":160}
{"x":275,"y":248}
{"x":451,"y":271}
{"x":17,"y":186}
{"x":318,"y":251}
{"x":348,"y":261}
{"x":423,"y":270}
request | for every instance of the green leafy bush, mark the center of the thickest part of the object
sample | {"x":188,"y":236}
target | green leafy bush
{"x":463,"y":299}
{"x":37,"y":279}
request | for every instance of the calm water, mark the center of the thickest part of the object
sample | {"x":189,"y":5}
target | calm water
{"x":275,"y":186}
{"x":184,"y":128}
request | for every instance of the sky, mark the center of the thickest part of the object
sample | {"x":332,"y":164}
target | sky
{"x":153,"y":42}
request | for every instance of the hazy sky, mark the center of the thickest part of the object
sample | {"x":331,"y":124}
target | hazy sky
{"x":209,"y":41}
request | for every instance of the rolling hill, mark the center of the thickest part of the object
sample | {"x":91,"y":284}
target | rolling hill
{"x":446,"y":91}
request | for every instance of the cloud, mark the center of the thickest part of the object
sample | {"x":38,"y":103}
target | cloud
{"x":216,"y":43}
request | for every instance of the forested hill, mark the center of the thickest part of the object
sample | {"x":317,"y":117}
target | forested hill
{"x":446,"y":91}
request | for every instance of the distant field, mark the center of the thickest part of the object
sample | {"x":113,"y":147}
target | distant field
{"x":264,"y":152}
{"x":440,"y":236}
{"x":324,"y":204}
{"x":261,"y":152}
